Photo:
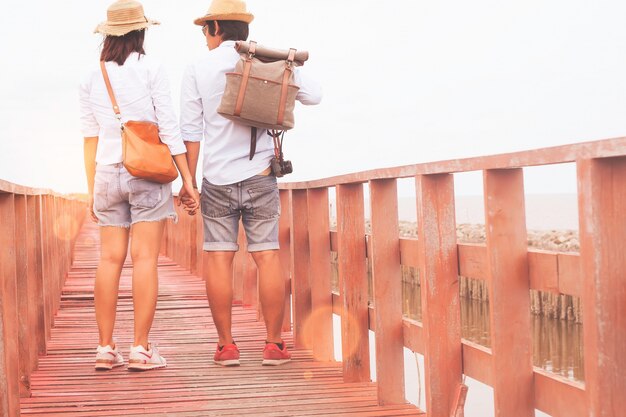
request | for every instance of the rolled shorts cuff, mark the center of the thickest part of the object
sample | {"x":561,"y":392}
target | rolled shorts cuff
{"x":220,"y":247}
{"x":122,"y":225}
{"x":173,"y":216}
{"x":259,"y":247}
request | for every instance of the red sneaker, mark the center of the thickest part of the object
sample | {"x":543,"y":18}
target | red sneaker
{"x":273,"y":355}
{"x":228,"y":355}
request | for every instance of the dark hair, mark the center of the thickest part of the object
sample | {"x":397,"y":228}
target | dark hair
{"x":118,"y":48}
{"x":231,"y":30}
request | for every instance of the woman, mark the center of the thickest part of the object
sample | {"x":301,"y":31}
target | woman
{"x":121,"y":203}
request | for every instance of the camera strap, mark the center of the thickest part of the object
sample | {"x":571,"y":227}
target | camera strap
{"x":277,"y":136}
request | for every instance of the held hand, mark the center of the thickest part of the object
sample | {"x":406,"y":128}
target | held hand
{"x":189,"y":197}
{"x":91,"y":212}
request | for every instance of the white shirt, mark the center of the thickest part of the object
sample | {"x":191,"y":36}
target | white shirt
{"x":226,"y":143}
{"x":143,"y":93}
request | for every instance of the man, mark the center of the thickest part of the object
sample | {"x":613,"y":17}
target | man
{"x":234,"y":186}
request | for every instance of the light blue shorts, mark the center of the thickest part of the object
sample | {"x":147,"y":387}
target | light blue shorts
{"x":255,"y":200}
{"x":122,"y":200}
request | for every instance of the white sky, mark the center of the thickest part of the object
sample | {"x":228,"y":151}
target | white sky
{"x":404,"y":82}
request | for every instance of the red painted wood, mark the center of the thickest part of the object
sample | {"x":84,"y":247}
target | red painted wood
{"x":558,"y":396}
{"x":25,"y":334}
{"x":387,"y":292}
{"x":509,"y":298}
{"x":34,"y":280}
{"x":9,"y":346}
{"x":602,"y":208}
{"x":321,"y":326}
{"x":66,"y":383}
{"x":284,"y":232}
{"x":300,"y":263}
{"x":441,"y":315}
{"x":535,"y":157}
{"x":353,"y":282}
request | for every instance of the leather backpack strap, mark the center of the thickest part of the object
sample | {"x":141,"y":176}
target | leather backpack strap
{"x":244,"y":79}
{"x":107,"y":82}
{"x":285,"y":87}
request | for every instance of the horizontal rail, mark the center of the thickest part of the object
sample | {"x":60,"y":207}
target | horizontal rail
{"x":37,"y":235}
{"x":545,"y":156}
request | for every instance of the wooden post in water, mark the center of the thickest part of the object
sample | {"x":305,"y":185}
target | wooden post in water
{"x":284,"y":231}
{"x":439,"y":282}
{"x":387,"y":291}
{"x":353,"y":283}
{"x":9,"y":329}
{"x":300,"y":283}
{"x":509,"y":293}
{"x":602,"y":214}
{"x":321,"y":327}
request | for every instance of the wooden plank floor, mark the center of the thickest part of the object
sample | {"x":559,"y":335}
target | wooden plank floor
{"x":191,"y":385}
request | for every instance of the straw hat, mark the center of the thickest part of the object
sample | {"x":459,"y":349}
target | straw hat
{"x":124,"y":16}
{"x":226,"y":10}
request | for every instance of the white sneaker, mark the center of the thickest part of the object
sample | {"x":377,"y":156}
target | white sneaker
{"x":108,"y":358}
{"x":141,"y":359}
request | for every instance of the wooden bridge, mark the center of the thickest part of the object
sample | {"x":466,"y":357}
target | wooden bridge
{"x":48,"y":255}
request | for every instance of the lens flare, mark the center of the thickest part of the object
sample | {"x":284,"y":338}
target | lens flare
{"x":65,"y":227}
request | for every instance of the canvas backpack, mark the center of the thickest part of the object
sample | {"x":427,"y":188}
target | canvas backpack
{"x":261,"y":92}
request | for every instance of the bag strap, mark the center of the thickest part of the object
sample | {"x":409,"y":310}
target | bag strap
{"x":244,"y":79}
{"x":285,"y":86}
{"x":116,"y":108}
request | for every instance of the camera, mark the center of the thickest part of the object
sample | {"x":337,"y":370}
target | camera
{"x":281,"y":167}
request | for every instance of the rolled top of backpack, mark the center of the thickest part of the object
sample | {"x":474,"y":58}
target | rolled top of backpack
{"x":270,"y":54}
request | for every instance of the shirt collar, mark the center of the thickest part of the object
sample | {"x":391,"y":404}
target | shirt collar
{"x":227,"y":44}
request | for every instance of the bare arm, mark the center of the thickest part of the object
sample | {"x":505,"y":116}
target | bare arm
{"x":89,"y":149}
{"x":193,"y":152}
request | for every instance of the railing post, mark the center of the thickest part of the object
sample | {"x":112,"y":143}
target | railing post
{"x":9,"y":329}
{"x":25,"y":336}
{"x":387,"y":283}
{"x":353,"y":283}
{"x":439,"y":287}
{"x":321,"y":288}
{"x":602,"y":208}
{"x":509,"y":293}
{"x":35,"y":283}
{"x":284,"y":232}
{"x":300,"y":284}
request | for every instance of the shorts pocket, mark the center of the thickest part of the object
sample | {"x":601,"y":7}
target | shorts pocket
{"x":265,"y":201}
{"x":215,"y":200}
{"x":100,"y":191}
{"x":144,"y":194}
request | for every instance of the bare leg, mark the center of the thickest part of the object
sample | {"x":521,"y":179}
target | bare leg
{"x":271,"y":292}
{"x":144,"y":250}
{"x":113,"y":248}
{"x":218,"y":277}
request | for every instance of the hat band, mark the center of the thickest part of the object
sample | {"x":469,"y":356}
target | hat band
{"x":134,"y":22}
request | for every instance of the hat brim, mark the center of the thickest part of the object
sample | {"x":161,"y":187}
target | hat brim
{"x":241,"y":17}
{"x":120,"y":30}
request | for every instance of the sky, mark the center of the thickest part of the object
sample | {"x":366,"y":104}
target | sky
{"x":404,"y":82}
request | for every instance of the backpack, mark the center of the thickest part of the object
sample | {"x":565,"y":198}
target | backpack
{"x":260,"y":92}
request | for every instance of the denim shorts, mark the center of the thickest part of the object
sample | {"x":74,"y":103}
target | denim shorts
{"x":254,"y":200}
{"x":122,"y":200}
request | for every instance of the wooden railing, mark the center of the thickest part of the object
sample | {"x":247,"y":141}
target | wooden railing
{"x":597,"y":274}
{"x":37,"y":234}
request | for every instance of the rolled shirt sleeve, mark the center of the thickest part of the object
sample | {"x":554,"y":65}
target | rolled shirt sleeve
{"x":88,"y":124}
{"x":165,"y":114}
{"x":310,"y":92}
{"x":191,"y":112}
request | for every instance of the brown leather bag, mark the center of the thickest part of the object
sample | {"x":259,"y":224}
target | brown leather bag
{"x":143,"y":153}
{"x":261,"y":92}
